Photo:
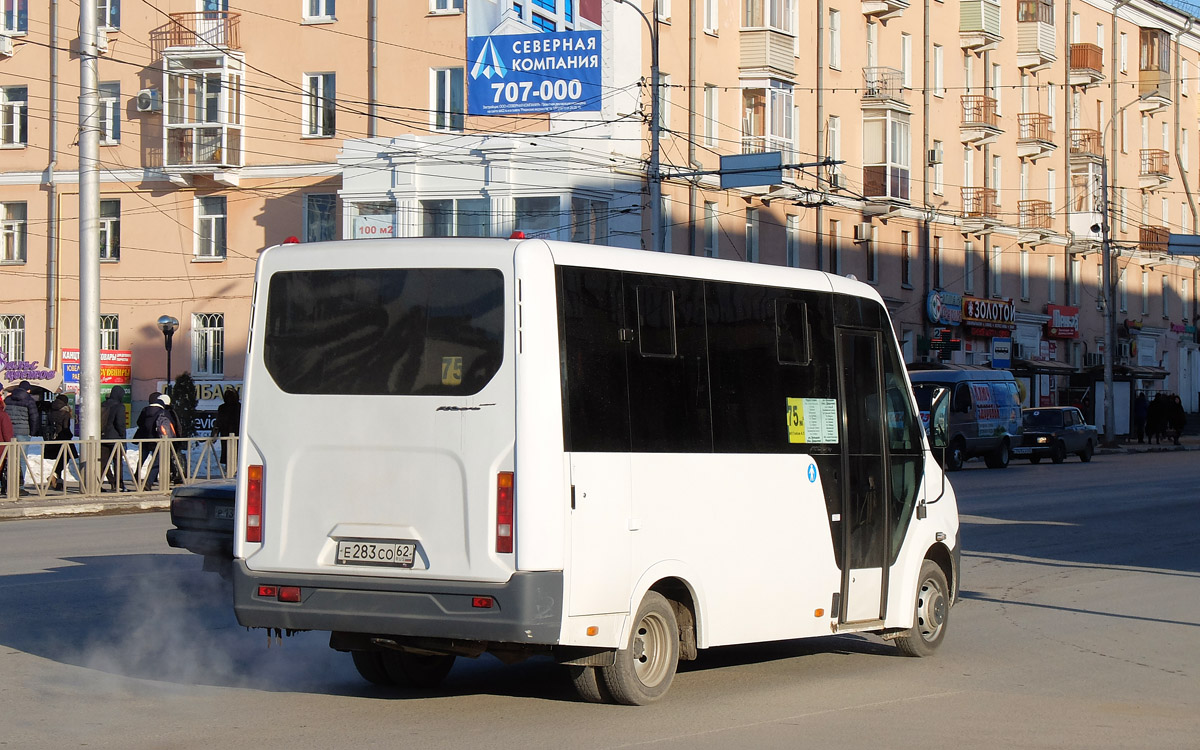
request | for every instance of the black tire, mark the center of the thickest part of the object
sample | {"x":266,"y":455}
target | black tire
{"x":646,"y":666}
{"x":370,"y":665}
{"x":999,"y":458}
{"x":956,"y":454}
{"x":1058,"y":453}
{"x":589,"y":684}
{"x":1085,"y":455}
{"x":932,"y":613}
{"x":1035,"y":459}
{"x":422,"y":671}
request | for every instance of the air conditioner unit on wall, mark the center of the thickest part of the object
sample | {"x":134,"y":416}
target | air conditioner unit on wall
{"x":863,"y":232}
{"x":6,"y":45}
{"x":835,"y":180}
{"x":935,"y":155}
{"x":149,"y":100}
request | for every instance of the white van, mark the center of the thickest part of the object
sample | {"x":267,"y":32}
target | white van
{"x":454,"y":446}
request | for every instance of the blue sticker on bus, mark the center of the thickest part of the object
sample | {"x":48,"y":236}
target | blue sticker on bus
{"x":812,"y":472}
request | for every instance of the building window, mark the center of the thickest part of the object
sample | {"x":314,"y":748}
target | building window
{"x":1183,"y":299}
{"x":110,"y":230}
{"x":1145,"y":292}
{"x":1076,"y":274}
{"x":108,"y":14}
{"x":939,"y":77}
{"x":12,"y":337}
{"x":1166,"y":294}
{"x":202,"y":114}
{"x":939,"y":172}
{"x":996,"y":87}
{"x":538,"y":217}
{"x":662,"y":7}
{"x":14,"y":115}
{"x":320,"y":217}
{"x":710,"y":115}
{"x":906,"y":60}
{"x":208,"y":344}
{"x":448,"y":105}
{"x":446,"y":6}
{"x":664,"y":99}
{"x":939,"y":266}
{"x":210,"y":227}
{"x":1025,"y":274}
{"x":589,"y":221}
{"x":1051,"y":282}
{"x":12,"y":232}
{"x":906,"y":259}
{"x":459,"y":217}
{"x":665,"y":223}
{"x":1123,"y":291}
{"x":110,"y":113}
{"x":767,"y":120}
{"x":997,"y":171}
{"x":712,"y":16}
{"x":109,"y":334}
{"x":319,"y":10}
{"x":792,"y":241}
{"x":994,"y":270}
{"x":774,"y":14}
{"x":1123,"y":52}
{"x":711,"y":227}
{"x":320,"y":105}
{"x":14,"y":17}
{"x":1041,"y":11}
{"x":833,"y":144}
{"x":886,"y":156}
{"x":835,"y":39}
{"x":752,"y":235}
{"x":968,"y":266}
{"x":835,"y":247}
{"x":1052,"y":190}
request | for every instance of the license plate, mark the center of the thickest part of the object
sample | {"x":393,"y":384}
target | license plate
{"x":223,"y":514}
{"x":394,"y":552}
{"x":1021,"y":451}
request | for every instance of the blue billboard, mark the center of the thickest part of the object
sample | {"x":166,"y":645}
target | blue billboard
{"x":511,"y":74}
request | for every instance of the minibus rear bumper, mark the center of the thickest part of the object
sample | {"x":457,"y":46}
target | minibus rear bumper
{"x":525,"y":609}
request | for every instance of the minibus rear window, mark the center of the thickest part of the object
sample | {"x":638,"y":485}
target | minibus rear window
{"x":373,"y":331}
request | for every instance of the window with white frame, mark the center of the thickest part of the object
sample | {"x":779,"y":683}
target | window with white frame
{"x":906,"y":66}
{"x":710,"y":115}
{"x":968,"y":266}
{"x":664,"y":99}
{"x":939,"y":171}
{"x":833,"y":143}
{"x":1123,"y":52}
{"x":1166,"y":296}
{"x":906,"y":259}
{"x":110,"y":337}
{"x":1123,"y":290}
{"x":108,"y":14}
{"x":997,"y":171}
{"x":210,"y":227}
{"x":792,"y":240}
{"x":320,"y":105}
{"x":886,"y":154}
{"x":589,"y":220}
{"x":711,"y":229}
{"x":1024,"y":274}
{"x":110,"y":229}
{"x":662,"y":7}
{"x":772,"y":14}
{"x":1052,"y":190}
{"x":1145,"y":292}
{"x":458,"y":217}
{"x":14,"y":17}
{"x":996,"y":87}
{"x":538,"y":217}
{"x":665,"y":223}
{"x":872,"y":44}
{"x":767,"y":114}
{"x":14,"y":116}
{"x":1122,"y":212}
{"x":208,"y":344}
{"x":752,"y":235}
{"x":110,"y":113}
{"x":1052,"y":106}
{"x":13,"y":232}
{"x":939,"y":64}
{"x":448,"y":6}
{"x":994,"y":270}
{"x":12,"y":337}
{"x":447,"y":103}
{"x":320,"y":217}
{"x":712,"y":16}
{"x":1076,"y":280}
{"x":319,"y":10}
{"x":835,"y":39}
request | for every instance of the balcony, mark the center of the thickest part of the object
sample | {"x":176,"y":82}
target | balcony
{"x":883,"y":88}
{"x":980,"y":213}
{"x":208,"y":31}
{"x":1153,"y":239}
{"x":886,"y":188}
{"x":766,"y":53}
{"x":884,"y":9}
{"x":1036,"y":221}
{"x":202,"y":118}
{"x":1154,"y":90}
{"x":979,"y":24}
{"x":1035,"y":45}
{"x":1085,"y":145}
{"x":1087,"y":65}
{"x":980,"y":125}
{"x":1034,"y":136}
{"x":1155,"y":168}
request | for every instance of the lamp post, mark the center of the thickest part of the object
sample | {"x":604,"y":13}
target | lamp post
{"x":168,"y":325}
{"x":652,"y":176}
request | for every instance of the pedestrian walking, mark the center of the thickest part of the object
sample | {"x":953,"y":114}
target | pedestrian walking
{"x":6,"y":436}
{"x":26,"y":423}
{"x":1156,"y":419}
{"x":112,"y":427}
{"x":229,"y":419}
{"x":58,"y":427}
{"x":1176,"y":417}
{"x":1140,"y":407}
{"x":164,"y":429}
{"x":144,"y":433}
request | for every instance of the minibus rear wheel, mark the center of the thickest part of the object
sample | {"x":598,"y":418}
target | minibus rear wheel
{"x":370,"y":665}
{"x":423,"y":671}
{"x":644,"y":669}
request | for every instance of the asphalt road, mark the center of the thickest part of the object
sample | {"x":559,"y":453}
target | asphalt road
{"x":1079,"y":627}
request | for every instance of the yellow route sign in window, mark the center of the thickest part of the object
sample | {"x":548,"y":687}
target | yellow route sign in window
{"x":812,"y":420}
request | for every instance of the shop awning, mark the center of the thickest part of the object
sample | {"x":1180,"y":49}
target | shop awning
{"x":1047,"y":366}
{"x":1145,"y":372}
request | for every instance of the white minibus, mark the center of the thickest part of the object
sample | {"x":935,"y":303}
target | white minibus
{"x":613,"y":457}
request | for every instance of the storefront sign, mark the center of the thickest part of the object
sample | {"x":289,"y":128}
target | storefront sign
{"x":944,"y":308}
{"x":989,"y":313}
{"x":1147,"y":351}
{"x":21,"y":370}
{"x":1064,"y":322}
{"x":1132,"y":325}
{"x":116,"y":368}
{"x":374,"y":227}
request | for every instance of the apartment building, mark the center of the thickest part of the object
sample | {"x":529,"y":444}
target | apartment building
{"x":973,"y":140}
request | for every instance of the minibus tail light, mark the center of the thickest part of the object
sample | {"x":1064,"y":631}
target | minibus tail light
{"x":254,"y":476}
{"x":504,"y":511}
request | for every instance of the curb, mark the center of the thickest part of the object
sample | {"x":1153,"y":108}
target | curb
{"x":83,"y":507}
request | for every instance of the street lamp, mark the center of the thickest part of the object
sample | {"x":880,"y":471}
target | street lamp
{"x":168,"y":325}
{"x":652,"y":175}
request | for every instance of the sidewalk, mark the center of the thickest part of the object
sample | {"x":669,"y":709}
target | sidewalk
{"x":82,"y":505}
{"x":1130,"y":446}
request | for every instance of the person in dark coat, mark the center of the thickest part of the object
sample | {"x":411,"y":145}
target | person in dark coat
{"x":229,"y":418}
{"x":1140,"y":407}
{"x":112,"y":427}
{"x":26,"y":421}
{"x":1176,"y":417}
{"x":144,"y":433}
{"x":6,"y":436}
{"x":164,"y":428}
{"x":58,"y":427}
{"x":1156,"y":419}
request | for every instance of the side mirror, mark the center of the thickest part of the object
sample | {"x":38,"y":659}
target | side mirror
{"x":939,"y":418}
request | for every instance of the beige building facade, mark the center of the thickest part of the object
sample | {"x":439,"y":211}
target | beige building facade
{"x":956,"y":155}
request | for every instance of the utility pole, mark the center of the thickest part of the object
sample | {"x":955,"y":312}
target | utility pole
{"x":89,"y":246}
{"x":653,"y":178}
{"x":1110,"y":343}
